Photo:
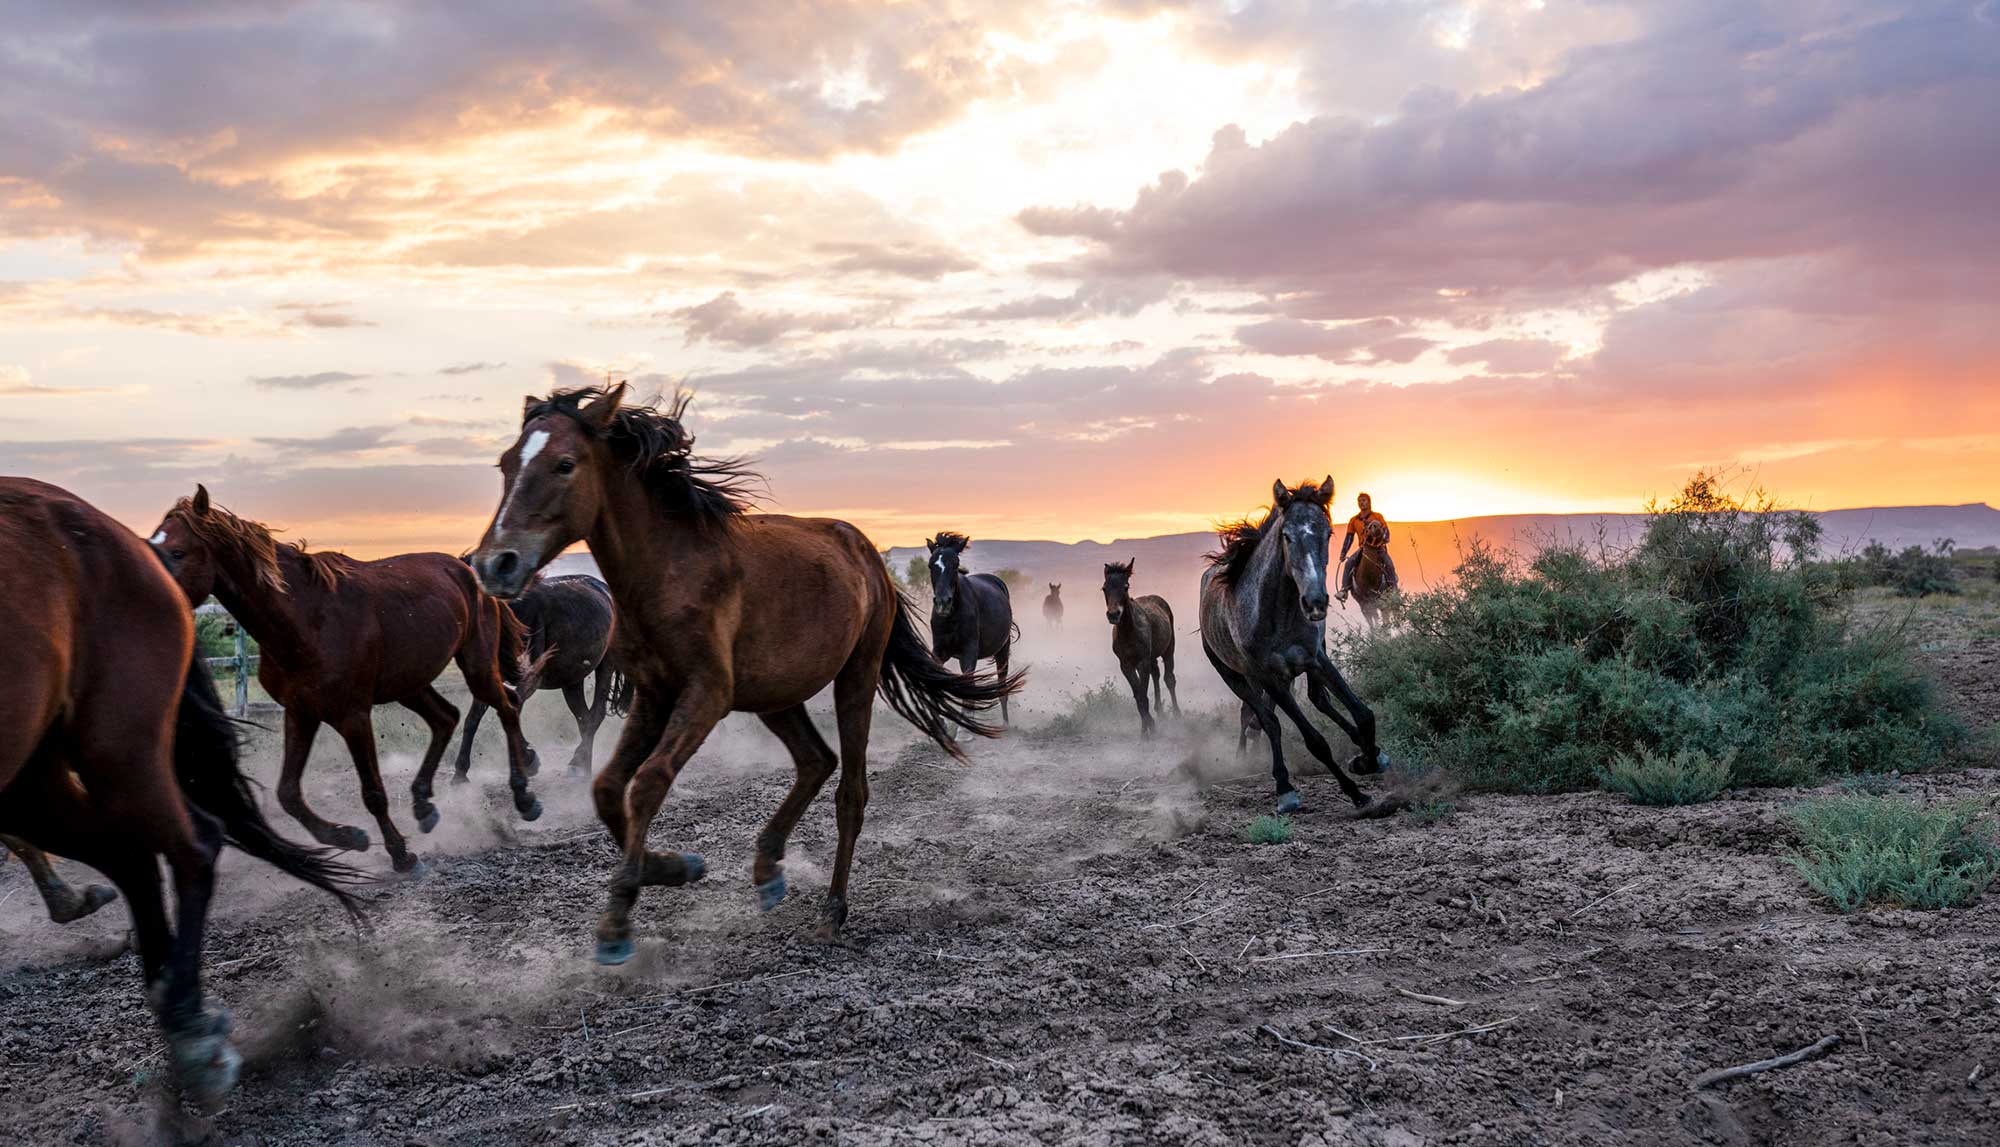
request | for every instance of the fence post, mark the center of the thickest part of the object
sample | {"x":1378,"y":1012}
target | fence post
{"x":242,"y":669}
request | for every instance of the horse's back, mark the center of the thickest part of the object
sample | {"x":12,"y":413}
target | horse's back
{"x":794,"y":577}
{"x":573,"y":616}
{"x":1159,"y":622}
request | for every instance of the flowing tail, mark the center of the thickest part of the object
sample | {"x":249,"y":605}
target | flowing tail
{"x":621,"y":693}
{"x":205,"y":763}
{"x":933,"y":698}
{"x":518,"y":672}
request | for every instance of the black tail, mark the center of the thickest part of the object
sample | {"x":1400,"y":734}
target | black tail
{"x":621,"y":693}
{"x":205,"y":764}
{"x":521,"y":675}
{"x":933,"y":698}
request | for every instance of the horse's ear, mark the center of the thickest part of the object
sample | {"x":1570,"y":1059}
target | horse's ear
{"x":1280,"y":497}
{"x":528,"y":403}
{"x":198,"y":505}
{"x":930,"y":544}
{"x":1131,"y":564}
{"x":1326,"y":491}
{"x":598,"y":414}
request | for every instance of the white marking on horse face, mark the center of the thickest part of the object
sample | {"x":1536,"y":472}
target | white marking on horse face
{"x":938,"y":563}
{"x":159,"y":538}
{"x":530,"y":448}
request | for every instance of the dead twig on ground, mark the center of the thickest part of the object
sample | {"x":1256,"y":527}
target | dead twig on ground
{"x":1710,"y":1079}
{"x":740,"y":983}
{"x":1421,"y":998}
{"x":1337,"y":1052}
{"x":1607,"y":896}
{"x":1305,"y":955}
{"x":1189,"y":920}
{"x":1197,"y":959}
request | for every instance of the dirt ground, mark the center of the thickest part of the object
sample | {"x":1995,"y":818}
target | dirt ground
{"x":1068,"y":941}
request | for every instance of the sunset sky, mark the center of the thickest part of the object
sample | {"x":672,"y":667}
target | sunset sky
{"x":1043,"y":269}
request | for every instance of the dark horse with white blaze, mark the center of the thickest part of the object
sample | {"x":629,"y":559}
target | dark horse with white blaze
{"x":972,"y":615}
{"x":1263,"y":624}
{"x":1142,"y":638}
{"x":337,"y":637}
{"x":115,"y":750}
{"x":570,"y":622}
{"x":721,"y":611}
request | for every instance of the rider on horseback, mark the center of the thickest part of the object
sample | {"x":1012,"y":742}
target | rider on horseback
{"x":1357,"y":527}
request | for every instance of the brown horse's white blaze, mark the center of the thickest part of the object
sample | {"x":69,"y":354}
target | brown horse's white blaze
{"x":719,"y":612}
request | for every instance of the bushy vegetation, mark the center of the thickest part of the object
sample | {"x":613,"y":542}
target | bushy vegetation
{"x":1858,"y":850}
{"x":1269,"y":830}
{"x":1716,"y":633}
{"x":1646,"y":777}
{"x":1094,"y":708}
{"x":215,"y":635}
{"x":1915,"y":572}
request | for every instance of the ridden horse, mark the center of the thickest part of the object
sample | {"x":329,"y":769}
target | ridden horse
{"x":1142,"y":638}
{"x":720,"y":611}
{"x":64,"y":902}
{"x":115,"y":750}
{"x":1374,"y":576}
{"x":1052,"y":606}
{"x":570,"y":622}
{"x":1263,"y":623}
{"x":972,"y":615}
{"x":338,"y":636}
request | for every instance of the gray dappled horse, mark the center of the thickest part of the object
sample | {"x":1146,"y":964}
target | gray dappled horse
{"x":1263,"y":624}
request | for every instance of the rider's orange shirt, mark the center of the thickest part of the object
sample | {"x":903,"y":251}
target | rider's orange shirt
{"x":1358,"y":524}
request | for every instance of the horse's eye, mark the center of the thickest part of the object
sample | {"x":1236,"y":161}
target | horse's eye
{"x":179,"y":554}
{"x":566,"y":466}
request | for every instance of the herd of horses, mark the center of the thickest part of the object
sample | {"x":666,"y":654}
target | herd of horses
{"x":115,"y":751}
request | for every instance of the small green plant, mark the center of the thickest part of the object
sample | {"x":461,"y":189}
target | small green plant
{"x":1689,"y":776}
{"x":1868,"y":784}
{"x":1430,"y":812}
{"x":1269,"y":830}
{"x":1859,"y":850}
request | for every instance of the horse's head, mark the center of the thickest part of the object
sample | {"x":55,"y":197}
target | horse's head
{"x":1375,"y":535}
{"x":945,"y":551}
{"x":1305,"y":526}
{"x":1055,"y":589}
{"x":1118,"y":589}
{"x":200,"y":543}
{"x":552,"y":488}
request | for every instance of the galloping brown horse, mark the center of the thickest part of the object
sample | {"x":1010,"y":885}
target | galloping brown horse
{"x":720,"y":611}
{"x":1142,"y":638}
{"x":115,"y":751}
{"x":338,"y":637}
{"x":1374,"y":574}
{"x":1052,"y":606}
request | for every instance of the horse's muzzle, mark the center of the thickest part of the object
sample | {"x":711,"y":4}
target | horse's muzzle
{"x":1114,"y":616}
{"x":501,"y":573}
{"x":1314,"y":607}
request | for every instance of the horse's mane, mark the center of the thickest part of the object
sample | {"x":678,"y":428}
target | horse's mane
{"x":650,"y":438}
{"x":951,"y":540}
{"x":1239,"y":538}
{"x":222,"y":529}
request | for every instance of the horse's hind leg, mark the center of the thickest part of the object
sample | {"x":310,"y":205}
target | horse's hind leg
{"x":473,"y":716}
{"x":814,"y":761}
{"x":441,"y":715}
{"x":358,"y":730}
{"x":1173,"y":687}
{"x":299,"y":733}
{"x":1258,"y":702}
{"x":1316,"y":744}
{"x":1135,"y":676}
{"x":587,"y":718}
{"x":64,"y":902}
{"x":854,"y":707}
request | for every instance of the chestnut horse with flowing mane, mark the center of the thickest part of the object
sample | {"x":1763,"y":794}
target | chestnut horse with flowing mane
{"x":115,"y":750}
{"x":337,"y":637}
{"x":721,"y":611}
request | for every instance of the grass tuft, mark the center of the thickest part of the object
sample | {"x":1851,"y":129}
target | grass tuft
{"x":1269,"y":830}
{"x":1649,"y":778}
{"x":1430,"y":812}
{"x":1858,"y":850}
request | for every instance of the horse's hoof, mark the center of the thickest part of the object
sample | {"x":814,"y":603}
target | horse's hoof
{"x":1362,"y":766}
{"x":770,"y":893}
{"x":696,"y":866}
{"x":461,"y":777}
{"x":412,"y":868}
{"x":1363,"y":800}
{"x":577,"y":770}
{"x":1381,"y":761}
{"x":1289,"y":801}
{"x":533,"y":767}
{"x":208,"y":1067}
{"x":94,"y":897}
{"x":612,"y":953}
{"x":427,"y":816}
{"x":530,"y":808}
{"x":348,"y":837}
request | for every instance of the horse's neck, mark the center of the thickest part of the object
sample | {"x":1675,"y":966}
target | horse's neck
{"x":266,"y":613}
{"x":634,"y":544}
{"x":1265,"y":598}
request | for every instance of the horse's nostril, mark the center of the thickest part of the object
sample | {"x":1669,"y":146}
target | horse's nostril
{"x":505,"y":563}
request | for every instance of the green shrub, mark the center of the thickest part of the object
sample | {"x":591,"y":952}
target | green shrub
{"x":1717,"y":632}
{"x":1094,"y":708}
{"x":1689,"y":776}
{"x":1858,"y":850}
{"x":1269,"y":830}
{"x":1914,"y":572}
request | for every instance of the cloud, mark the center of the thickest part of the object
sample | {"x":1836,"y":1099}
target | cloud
{"x":305,"y":381}
{"x":1370,"y":341}
{"x":724,"y":319}
{"x":470,"y":367}
{"x":347,"y":440}
{"x":1511,"y":356}
{"x":909,"y":260}
{"x":1118,"y":296}
{"x":16,"y":382}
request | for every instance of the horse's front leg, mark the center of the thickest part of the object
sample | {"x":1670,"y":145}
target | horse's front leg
{"x":1323,"y":684}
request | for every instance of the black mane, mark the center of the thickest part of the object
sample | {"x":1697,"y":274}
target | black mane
{"x":651,"y":439}
{"x":1239,"y":538}
{"x":951,"y":540}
